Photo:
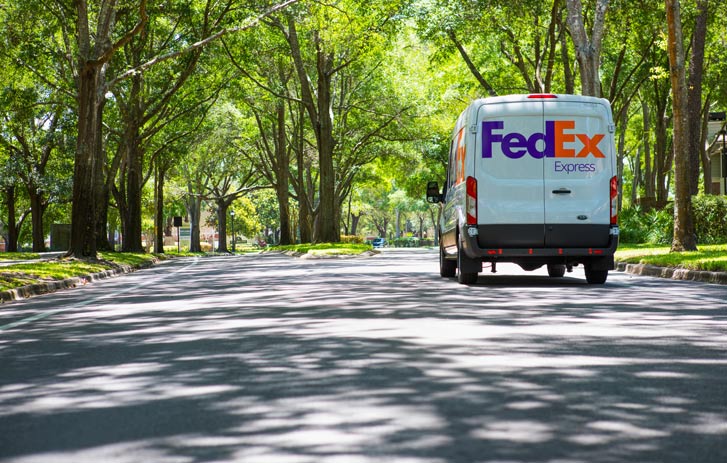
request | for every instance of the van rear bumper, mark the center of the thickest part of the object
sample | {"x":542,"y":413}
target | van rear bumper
{"x":577,"y":254}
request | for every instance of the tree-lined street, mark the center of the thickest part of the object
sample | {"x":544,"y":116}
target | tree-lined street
{"x":267,"y":358}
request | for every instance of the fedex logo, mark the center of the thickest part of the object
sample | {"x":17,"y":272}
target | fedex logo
{"x":557,"y":141}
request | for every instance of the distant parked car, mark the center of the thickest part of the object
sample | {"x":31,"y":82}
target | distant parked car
{"x":378,"y":242}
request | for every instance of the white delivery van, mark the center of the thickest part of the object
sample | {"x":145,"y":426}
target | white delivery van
{"x":532,"y":180}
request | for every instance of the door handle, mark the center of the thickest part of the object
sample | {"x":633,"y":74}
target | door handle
{"x":562,"y":191}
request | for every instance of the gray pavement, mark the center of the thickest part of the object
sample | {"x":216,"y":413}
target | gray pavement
{"x":276,"y":359}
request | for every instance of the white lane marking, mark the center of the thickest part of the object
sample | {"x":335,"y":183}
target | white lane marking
{"x":50,"y":313}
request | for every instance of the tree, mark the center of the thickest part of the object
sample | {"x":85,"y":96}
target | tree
{"x":335,"y":40}
{"x":694,"y":95}
{"x":95,"y":46}
{"x":684,"y":236}
{"x":218,"y":158}
{"x":266,"y":90}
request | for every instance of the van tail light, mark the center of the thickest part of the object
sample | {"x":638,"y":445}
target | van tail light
{"x":542,"y":96}
{"x":614,"y":201}
{"x":471,"y":201}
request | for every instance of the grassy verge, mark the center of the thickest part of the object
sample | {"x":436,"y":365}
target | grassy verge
{"x":18,"y":256}
{"x":325,"y":249}
{"x":17,"y":275}
{"x":707,"y":257}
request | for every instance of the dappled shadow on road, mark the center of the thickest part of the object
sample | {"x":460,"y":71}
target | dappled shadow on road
{"x":269,"y":359}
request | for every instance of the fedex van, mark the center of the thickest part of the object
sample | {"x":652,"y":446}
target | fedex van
{"x":531,"y":180}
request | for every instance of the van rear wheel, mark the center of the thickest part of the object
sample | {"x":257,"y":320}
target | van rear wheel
{"x":556,"y":270}
{"x":596,"y":277}
{"x":465,"y":278}
{"x":447,"y":267}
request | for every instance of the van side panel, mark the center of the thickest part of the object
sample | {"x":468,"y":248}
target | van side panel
{"x":454,"y":188}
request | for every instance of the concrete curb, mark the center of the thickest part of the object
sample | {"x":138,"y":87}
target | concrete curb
{"x":37,"y":289}
{"x":673,"y":273}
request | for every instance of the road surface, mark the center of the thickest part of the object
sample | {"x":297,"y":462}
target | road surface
{"x":275,"y":359}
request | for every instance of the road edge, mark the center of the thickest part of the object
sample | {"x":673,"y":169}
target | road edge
{"x":673,"y":273}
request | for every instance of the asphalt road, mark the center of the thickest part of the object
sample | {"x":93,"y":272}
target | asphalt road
{"x":274,"y":359}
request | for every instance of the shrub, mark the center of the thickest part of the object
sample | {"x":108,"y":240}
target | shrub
{"x":657,"y":226}
{"x":352,"y":239}
{"x":406,"y":242}
{"x":710,"y":223}
{"x":660,"y":224}
{"x":633,"y":228}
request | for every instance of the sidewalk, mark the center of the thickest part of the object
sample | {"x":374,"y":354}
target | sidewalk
{"x":43,"y":256}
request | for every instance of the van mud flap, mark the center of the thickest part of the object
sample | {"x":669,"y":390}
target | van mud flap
{"x":467,"y":264}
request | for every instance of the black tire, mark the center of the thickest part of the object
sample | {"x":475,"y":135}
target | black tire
{"x":447,"y":267}
{"x":465,"y":278}
{"x":596,"y":277}
{"x":556,"y":270}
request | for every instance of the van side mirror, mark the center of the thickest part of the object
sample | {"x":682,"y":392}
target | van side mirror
{"x":433,"y":194}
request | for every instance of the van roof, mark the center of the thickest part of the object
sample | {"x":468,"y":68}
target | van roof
{"x":540,"y":96}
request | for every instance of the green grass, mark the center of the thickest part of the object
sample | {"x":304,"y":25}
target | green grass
{"x":14,"y":276}
{"x":327,"y":249}
{"x":17,"y":275}
{"x":19,"y":255}
{"x":707,"y":257}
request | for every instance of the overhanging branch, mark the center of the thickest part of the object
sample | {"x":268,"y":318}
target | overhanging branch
{"x":202,"y":43}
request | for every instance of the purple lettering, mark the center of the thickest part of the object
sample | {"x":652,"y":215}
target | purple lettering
{"x":551,"y":144}
{"x":488,"y":138}
{"x":514,"y":145}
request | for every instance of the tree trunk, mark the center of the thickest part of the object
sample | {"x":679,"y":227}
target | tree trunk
{"x":13,"y":229}
{"x":397,"y":224}
{"x":649,"y":182}
{"x":36,"y":218}
{"x":193,"y":204}
{"x":694,"y":96}
{"x":588,"y":49}
{"x":684,"y":237}
{"x":222,"y":206}
{"x":435,"y":221}
{"x":83,"y":212}
{"x":355,"y":219}
{"x":103,"y":192}
{"x":134,"y":173}
{"x":283,"y":176}
{"x":159,"y":208}
{"x":327,"y":230}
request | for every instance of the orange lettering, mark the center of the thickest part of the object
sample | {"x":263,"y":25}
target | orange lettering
{"x":562,"y":138}
{"x":590,"y":146}
{"x":461,"y":155}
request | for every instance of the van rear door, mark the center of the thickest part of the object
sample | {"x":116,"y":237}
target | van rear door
{"x":577,"y":179}
{"x":510,"y":194}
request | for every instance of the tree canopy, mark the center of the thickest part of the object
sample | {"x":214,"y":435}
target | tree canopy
{"x":116,"y":113}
